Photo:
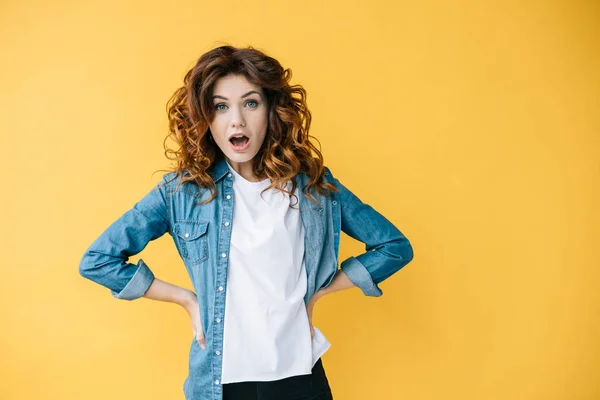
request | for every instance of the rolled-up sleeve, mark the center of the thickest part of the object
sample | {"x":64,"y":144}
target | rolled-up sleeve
{"x":106,"y":261}
{"x":387,"y":249}
{"x":138,"y":284}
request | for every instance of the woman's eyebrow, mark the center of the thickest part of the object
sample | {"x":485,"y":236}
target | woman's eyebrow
{"x":245,"y":95}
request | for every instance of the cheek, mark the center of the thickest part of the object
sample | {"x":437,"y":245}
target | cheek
{"x":216,"y":125}
{"x":260,"y":121}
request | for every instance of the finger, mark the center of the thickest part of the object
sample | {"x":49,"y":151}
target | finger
{"x":201,"y":341}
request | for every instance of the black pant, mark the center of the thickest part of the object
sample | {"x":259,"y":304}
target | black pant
{"x":302,"y":387}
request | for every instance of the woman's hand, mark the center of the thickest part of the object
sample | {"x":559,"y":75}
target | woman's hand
{"x":191,"y":306}
{"x":309,"y":311}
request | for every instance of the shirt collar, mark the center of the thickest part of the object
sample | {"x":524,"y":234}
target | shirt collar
{"x":218,"y":169}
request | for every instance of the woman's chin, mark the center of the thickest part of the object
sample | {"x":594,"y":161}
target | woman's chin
{"x":239,"y":158}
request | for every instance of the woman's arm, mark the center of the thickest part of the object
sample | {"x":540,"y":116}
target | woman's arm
{"x":387,"y":250}
{"x":106,"y":261}
{"x":339,"y":282}
{"x":165,"y":291}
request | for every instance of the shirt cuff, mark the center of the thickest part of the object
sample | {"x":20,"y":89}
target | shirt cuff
{"x":359,"y":275}
{"x":137,"y":285}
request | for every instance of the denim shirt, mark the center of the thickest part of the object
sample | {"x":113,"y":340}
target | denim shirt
{"x":202,"y":233}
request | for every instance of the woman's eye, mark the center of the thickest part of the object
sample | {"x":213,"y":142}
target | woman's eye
{"x":223,"y":107}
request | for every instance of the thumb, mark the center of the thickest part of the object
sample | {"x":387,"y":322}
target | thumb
{"x":200,"y":340}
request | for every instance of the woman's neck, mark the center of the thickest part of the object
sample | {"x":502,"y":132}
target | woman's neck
{"x":245,"y":170}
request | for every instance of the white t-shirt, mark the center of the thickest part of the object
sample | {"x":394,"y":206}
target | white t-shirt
{"x":266,"y":331}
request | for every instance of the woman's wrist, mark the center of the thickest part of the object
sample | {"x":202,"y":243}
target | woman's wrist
{"x":318,"y":294}
{"x":165,"y":291}
{"x":187,"y":299}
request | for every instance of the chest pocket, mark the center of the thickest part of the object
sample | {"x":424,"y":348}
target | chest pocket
{"x":193,"y":240}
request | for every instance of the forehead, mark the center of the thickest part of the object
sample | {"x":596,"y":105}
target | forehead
{"x":234,"y":85}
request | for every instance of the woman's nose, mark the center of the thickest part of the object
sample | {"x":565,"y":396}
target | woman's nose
{"x":237,"y":118}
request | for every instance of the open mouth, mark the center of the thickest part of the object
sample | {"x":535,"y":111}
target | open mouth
{"x":239,"y":142}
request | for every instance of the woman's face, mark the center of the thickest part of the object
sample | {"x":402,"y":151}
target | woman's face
{"x":240,"y":122}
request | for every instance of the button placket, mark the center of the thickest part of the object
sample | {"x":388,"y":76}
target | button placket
{"x":221,"y":278}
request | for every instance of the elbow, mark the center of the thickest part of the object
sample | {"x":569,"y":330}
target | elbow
{"x":125,"y":280}
{"x":398,"y":253}
{"x":407,"y":253}
{"x":84,"y":266}
{"x":87,"y":266}
{"x":401,"y":252}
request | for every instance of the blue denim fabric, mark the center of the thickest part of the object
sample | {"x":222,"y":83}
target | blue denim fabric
{"x":202,"y":233}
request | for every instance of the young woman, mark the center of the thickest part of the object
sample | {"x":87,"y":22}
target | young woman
{"x":256,"y":218}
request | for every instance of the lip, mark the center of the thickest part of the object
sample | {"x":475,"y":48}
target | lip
{"x":237,"y":133}
{"x":241,"y":149}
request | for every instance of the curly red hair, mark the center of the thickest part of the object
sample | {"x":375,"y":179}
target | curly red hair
{"x":286,"y":150}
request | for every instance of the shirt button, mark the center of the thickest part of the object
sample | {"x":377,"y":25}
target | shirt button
{"x":228,"y":197}
{"x":334,"y":202}
{"x":229,"y":174}
{"x":227,"y":223}
{"x":223,"y":255}
{"x":220,"y":288}
{"x":187,"y":235}
{"x":218,"y":352}
{"x":218,"y":320}
{"x":217,"y":382}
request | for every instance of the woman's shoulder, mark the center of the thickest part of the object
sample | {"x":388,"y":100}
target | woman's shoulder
{"x":328,"y":176}
{"x":303,"y":177}
{"x":171,"y":179}
{"x":174,"y":182}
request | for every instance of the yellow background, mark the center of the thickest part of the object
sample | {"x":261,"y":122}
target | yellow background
{"x":472,"y":125}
